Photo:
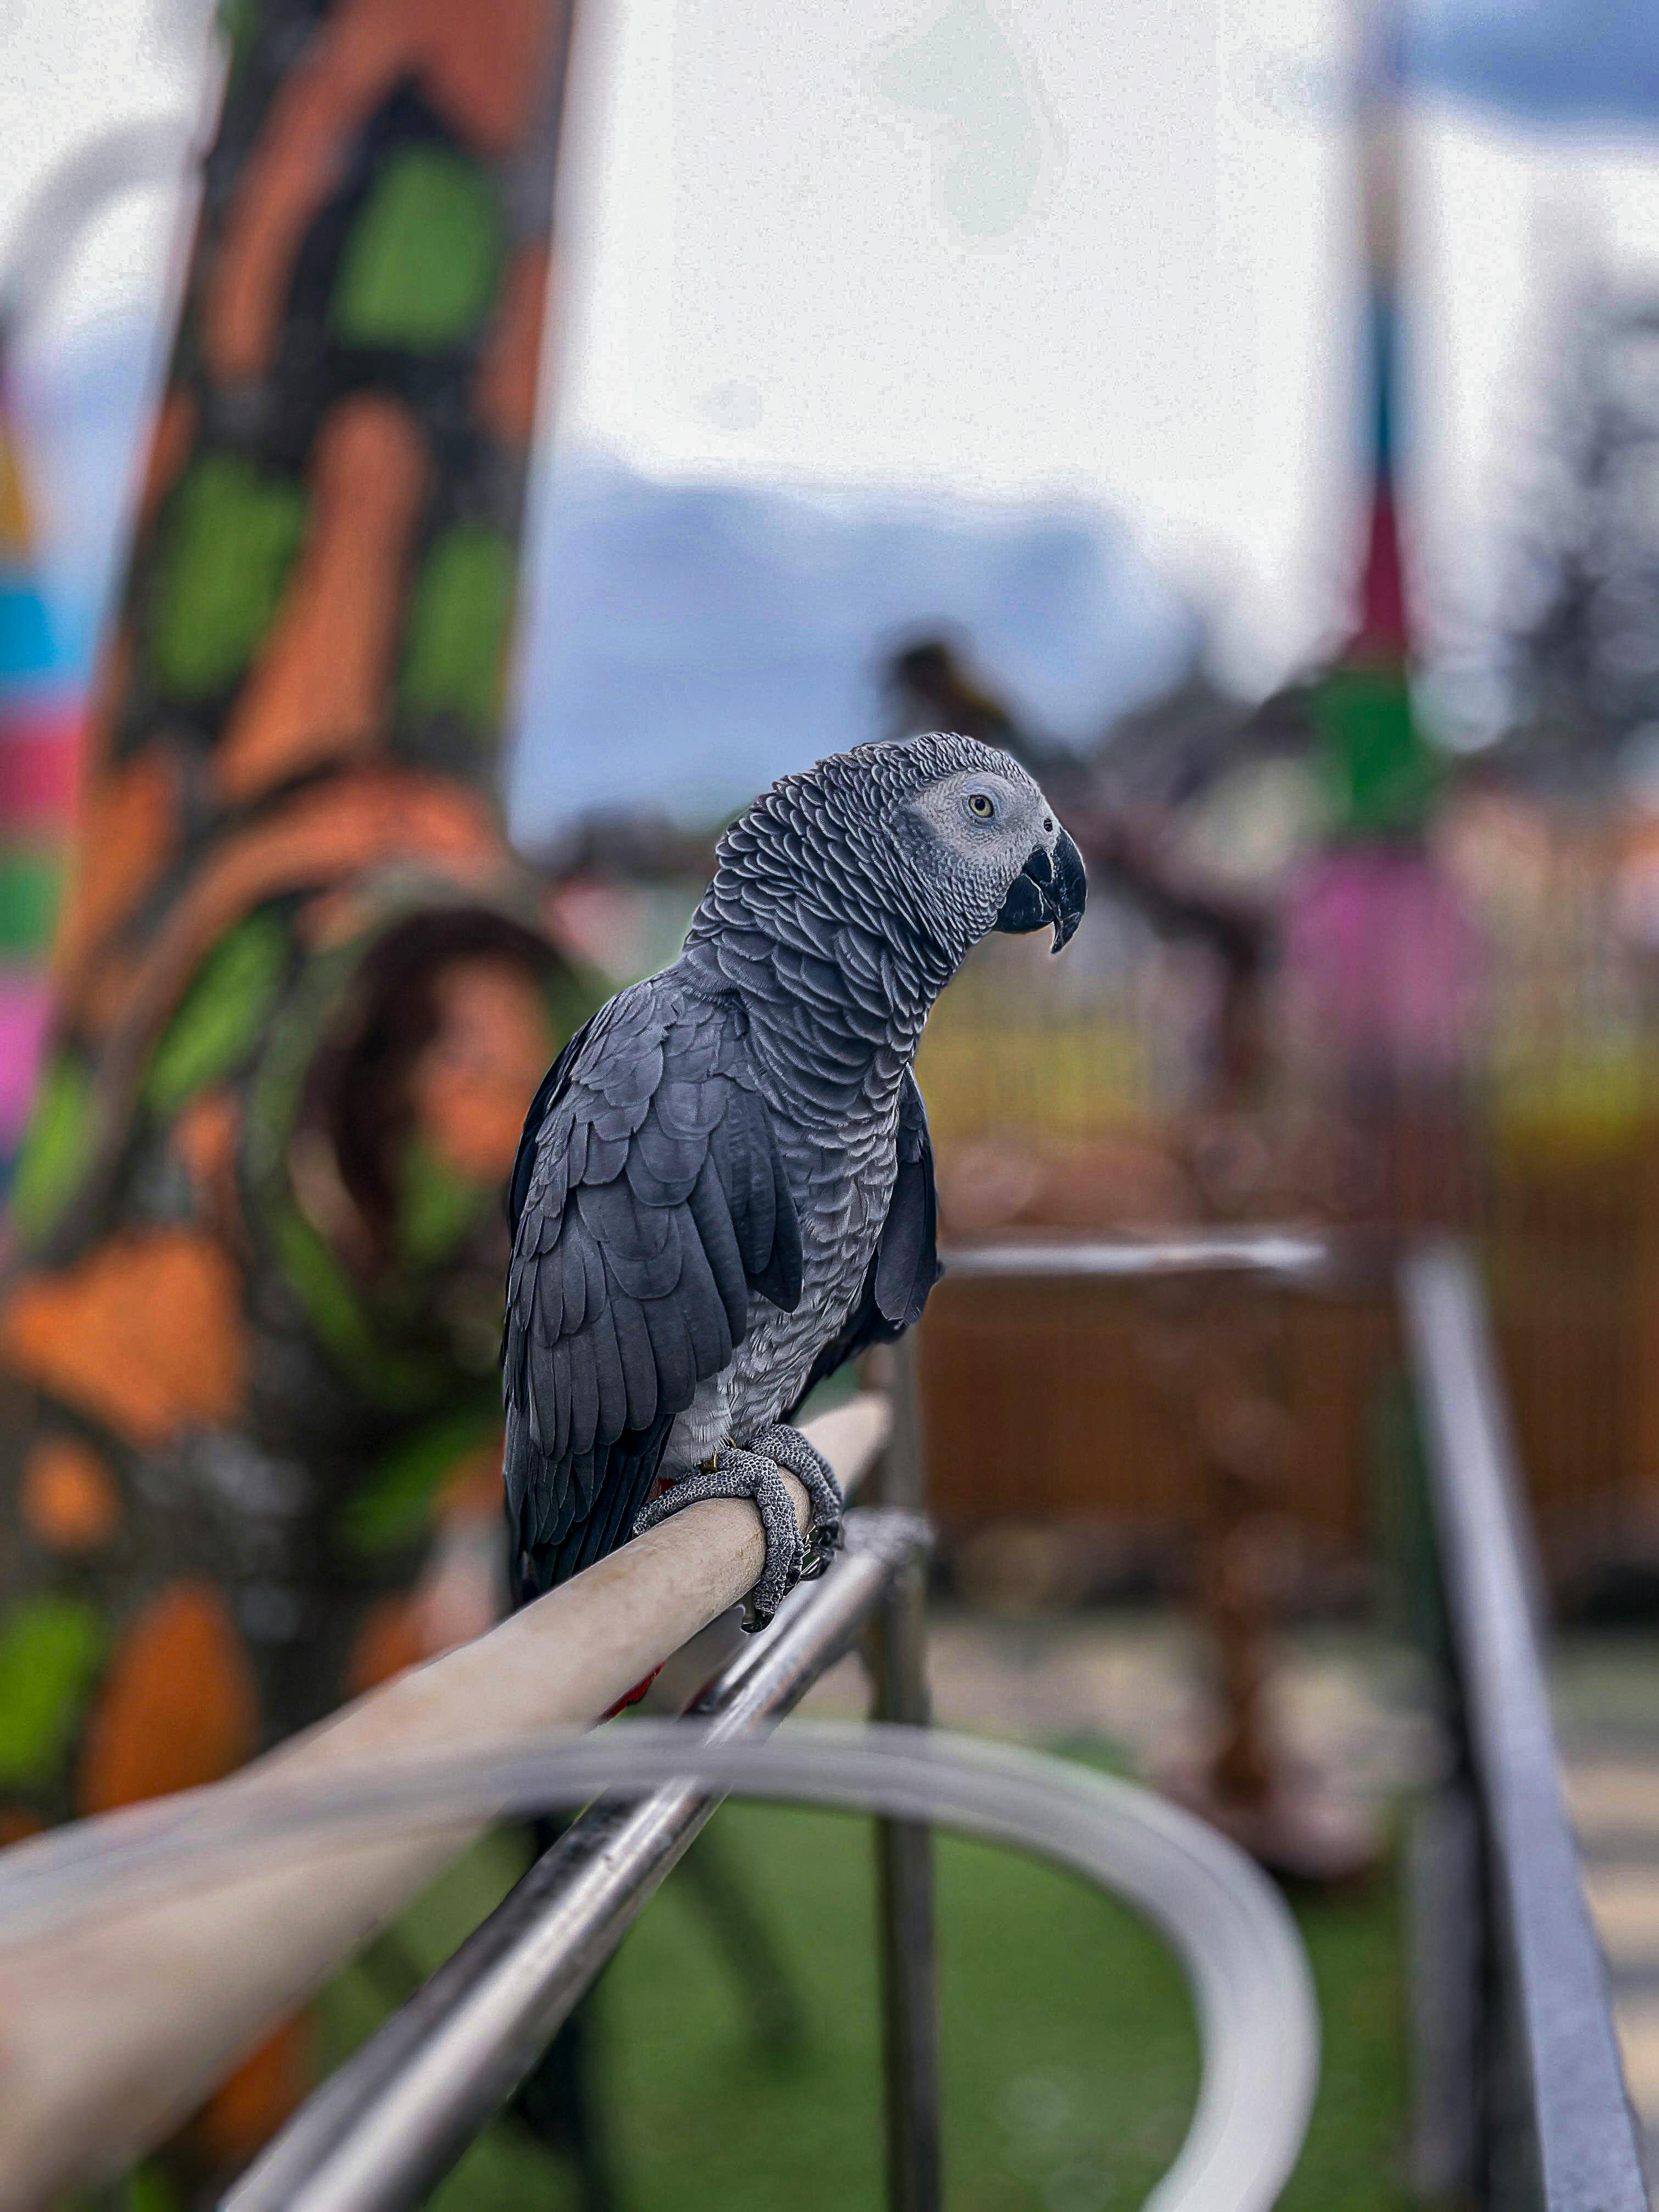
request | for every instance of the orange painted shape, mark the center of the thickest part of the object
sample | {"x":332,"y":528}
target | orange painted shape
{"x":362,"y":820}
{"x":127,"y":835}
{"x":105,"y":992}
{"x":296,"y":164}
{"x":319,"y":689}
{"x":472,"y":1488}
{"x":170,"y":445}
{"x":177,"y":1706}
{"x":251,"y":2104}
{"x":371,"y":817}
{"x":473,"y":1084}
{"x":482,"y":66}
{"x":69,"y":1499}
{"x":389,"y":1639}
{"x":333,"y":917}
{"x":509,"y":372}
{"x":110,"y":680}
{"x":147,"y":1334}
{"x":17,"y":509}
{"x":207,"y":1136}
{"x":485,"y":66}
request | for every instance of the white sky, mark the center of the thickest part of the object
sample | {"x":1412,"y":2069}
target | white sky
{"x":1003,"y":250}
{"x":1000,"y":245}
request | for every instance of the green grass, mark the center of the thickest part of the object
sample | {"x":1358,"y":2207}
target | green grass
{"x":1069,"y":2051}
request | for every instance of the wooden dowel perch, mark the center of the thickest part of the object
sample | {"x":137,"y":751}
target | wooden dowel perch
{"x":114,"y":2027}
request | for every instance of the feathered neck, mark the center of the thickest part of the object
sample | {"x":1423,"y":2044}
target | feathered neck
{"x":836,"y":977}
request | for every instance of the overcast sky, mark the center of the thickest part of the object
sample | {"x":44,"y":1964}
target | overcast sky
{"x":1012,"y":246}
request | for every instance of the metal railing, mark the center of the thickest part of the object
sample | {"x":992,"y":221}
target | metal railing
{"x":1546,"y":2119}
{"x":1279,"y":1255}
{"x":1531,"y":2105}
{"x":1248,"y":1973}
{"x":384,"y":2130}
{"x":239,"y":1895}
{"x":96,"y":1915}
{"x":390,"y":2122}
{"x":1544,"y":2116}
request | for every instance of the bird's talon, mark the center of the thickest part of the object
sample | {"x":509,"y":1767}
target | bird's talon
{"x":755,"y":1476}
{"x":823,"y":1541}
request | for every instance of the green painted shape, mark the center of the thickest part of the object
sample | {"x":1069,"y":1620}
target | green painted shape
{"x":423,"y":258}
{"x":230,"y":535}
{"x":394,"y":1506}
{"x":437,"y":1207}
{"x":49,"y":1165}
{"x":382,"y":1343}
{"x":239,"y":22}
{"x":152,"y":2188}
{"x":1381,"y":774}
{"x":344,"y":1327}
{"x":50,"y":1650}
{"x":30,"y":881}
{"x":456,"y":648}
{"x":340,"y":1311}
{"x":222,"y":1014}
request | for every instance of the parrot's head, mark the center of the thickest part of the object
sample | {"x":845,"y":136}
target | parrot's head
{"x":929,"y":841}
{"x":979,"y":846}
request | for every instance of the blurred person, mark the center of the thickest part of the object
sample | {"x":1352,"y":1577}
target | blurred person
{"x":930,"y":686}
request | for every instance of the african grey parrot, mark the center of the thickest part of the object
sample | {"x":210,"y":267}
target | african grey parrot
{"x":725,"y":1187}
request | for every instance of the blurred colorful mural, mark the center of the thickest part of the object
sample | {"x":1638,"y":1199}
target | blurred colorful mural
{"x":42,"y":688}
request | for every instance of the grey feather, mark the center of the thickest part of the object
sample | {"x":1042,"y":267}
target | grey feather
{"x":670,"y":1216}
{"x":726,"y":1179}
{"x":719,"y":1243}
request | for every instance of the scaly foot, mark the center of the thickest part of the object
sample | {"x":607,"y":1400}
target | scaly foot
{"x":756,"y":1475}
{"x":789,"y":1449}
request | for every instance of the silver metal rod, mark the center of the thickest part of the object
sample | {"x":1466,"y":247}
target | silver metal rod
{"x":390,"y":2122}
{"x":1551,"y":1982}
{"x":1292,"y":1253}
{"x":898,"y":1655}
{"x":904,"y":1876}
{"x":1253,"y":1993}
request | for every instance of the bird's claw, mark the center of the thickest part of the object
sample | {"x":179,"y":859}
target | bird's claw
{"x":738,"y":1474}
{"x":790,"y":1450}
{"x":756,"y":1475}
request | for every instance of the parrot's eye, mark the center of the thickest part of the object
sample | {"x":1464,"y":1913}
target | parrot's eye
{"x":982,"y":806}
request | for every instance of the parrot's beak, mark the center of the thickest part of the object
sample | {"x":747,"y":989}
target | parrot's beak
{"x":1051,"y":888}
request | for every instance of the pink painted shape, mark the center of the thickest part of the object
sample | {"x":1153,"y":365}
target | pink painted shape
{"x":24,"y":1006}
{"x":38,"y":747}
{"x":1382,"y":967}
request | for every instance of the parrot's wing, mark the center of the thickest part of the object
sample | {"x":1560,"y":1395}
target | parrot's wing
{"x":653,"y":1206}
{"x":904,"y":1266}
{"x":551,"y":1088}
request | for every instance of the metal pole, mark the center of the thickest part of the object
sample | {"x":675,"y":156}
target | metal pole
{"x":392,"y":2121}
{"x":1558,"y":2117}
{"x":1295,"y":1255}
{"x":897,"y":1657}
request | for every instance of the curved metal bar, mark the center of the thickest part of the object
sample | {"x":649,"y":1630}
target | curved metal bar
{"x":403,"y":2108}
{"x":143,"y":154}
{"x":1228,"y":1924}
